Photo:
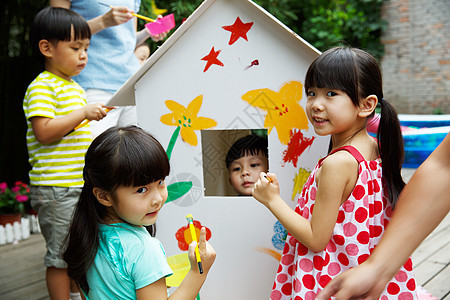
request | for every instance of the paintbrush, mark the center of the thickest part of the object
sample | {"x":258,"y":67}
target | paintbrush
{"x":190,"y":220}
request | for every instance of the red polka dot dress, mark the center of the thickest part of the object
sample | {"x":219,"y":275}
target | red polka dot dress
{"x":302,"y":274}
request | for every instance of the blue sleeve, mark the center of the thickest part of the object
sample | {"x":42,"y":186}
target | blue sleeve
{"x":150,"y":264}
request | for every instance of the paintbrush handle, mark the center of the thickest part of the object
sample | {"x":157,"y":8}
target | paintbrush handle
{"x":194,"y":238}
{"x":197,"y":252}
{"x":143,"y":17}
{"x":82,"y":124}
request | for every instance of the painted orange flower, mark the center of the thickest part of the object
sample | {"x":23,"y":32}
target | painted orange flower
{"x":187,"y":120}
{"x":283,"y":109}
{"x":183,"y":235}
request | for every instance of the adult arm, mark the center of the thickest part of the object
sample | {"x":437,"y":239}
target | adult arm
{"x":115,"y":16}
{"x":422,"y":205}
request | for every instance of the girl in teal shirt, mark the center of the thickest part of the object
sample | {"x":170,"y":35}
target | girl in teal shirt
{"x":109,"y":253}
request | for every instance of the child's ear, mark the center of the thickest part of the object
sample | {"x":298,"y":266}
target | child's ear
{"x":367,"y":106}
{"x":102,"y":196}
{"x":46,"y":48}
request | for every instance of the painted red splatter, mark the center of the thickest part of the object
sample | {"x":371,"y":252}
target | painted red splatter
{"x":238,"y":30}
{"x":297,"y":145}
{"x":254,"y":63}
{"x":211,"y":59}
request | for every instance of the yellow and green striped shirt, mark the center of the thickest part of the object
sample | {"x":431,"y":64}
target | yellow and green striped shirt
{"x":60,"y":163}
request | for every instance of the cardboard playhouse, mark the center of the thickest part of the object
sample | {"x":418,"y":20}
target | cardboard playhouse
{"x":230,"y":69}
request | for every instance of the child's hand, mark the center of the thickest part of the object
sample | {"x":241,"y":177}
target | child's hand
{"x":266,"y":188}
{"x":117,"y":15}
{"x":158,"y":37}
{"x":207,"y":253}
{"x":95,"y":111}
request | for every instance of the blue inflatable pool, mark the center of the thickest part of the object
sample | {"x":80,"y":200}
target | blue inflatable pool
{"x":421,"y":135}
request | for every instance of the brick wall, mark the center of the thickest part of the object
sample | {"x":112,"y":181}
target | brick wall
{"x":416,"y":64}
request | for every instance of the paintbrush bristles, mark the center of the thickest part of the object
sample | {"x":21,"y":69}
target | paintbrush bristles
{"x":189,"y":218}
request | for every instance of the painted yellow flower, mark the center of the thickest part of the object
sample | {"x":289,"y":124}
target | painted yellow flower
{"x":283,"y":110}
{"x":157,"y":11}
{"x":187,"y":120}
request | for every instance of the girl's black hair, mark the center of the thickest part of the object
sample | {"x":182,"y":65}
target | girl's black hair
{"x":54,"y":24}
{"x":251,"y":144}
{"x":120,"y":156}
{"x":358,"y":74}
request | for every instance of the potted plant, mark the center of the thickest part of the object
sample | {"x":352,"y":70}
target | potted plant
{"x":12,"y":201}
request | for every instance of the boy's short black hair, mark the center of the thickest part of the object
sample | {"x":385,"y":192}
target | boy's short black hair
{"x":54,"y":24}
{"x":248,"y":145}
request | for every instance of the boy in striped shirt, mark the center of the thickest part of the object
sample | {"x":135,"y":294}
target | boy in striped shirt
{"x":54,"y":105}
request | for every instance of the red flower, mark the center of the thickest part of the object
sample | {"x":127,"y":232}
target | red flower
{"x":21,"y":198}
{"x":13,"y":200}
{"x":183,"y":235}
{"x":3,"y":187}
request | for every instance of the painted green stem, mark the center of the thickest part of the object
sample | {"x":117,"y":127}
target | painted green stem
{"x":172,"y":141}
{"x":177,"y":189}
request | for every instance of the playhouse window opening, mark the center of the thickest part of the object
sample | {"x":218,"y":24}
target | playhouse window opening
{"x":215,"y":146}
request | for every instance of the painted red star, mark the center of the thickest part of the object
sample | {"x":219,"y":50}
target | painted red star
{"x":238,"y":29}
{"x":211,"y":59}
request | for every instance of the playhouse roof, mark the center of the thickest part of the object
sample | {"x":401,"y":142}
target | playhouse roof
{"x":126,"y":94}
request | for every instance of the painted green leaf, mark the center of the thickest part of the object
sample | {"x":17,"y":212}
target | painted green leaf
{"x":178,"y":189}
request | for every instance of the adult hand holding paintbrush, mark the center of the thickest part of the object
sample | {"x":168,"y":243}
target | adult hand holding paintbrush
{"x":121,"y":14}
{"x":115,"y":16}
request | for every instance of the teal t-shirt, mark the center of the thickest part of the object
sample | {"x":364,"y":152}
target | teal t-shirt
{"x":127,"y":259}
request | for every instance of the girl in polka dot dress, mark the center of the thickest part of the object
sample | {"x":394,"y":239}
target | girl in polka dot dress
{"x":347,"y":201}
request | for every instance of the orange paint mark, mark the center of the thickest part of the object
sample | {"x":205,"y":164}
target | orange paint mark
{"x":270,"y":252}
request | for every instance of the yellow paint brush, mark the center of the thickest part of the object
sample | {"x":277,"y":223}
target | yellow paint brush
{"x":143,"y":17}
{"x":190,"y":220}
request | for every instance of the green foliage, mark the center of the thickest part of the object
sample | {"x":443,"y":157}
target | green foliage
{"x":329,"y":23}
{"x":437,"y":111}
{"x":323,"y":23}
{"x":15,"y":22}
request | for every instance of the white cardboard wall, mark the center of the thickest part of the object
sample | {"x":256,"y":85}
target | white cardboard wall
{"x":240,"y":226}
